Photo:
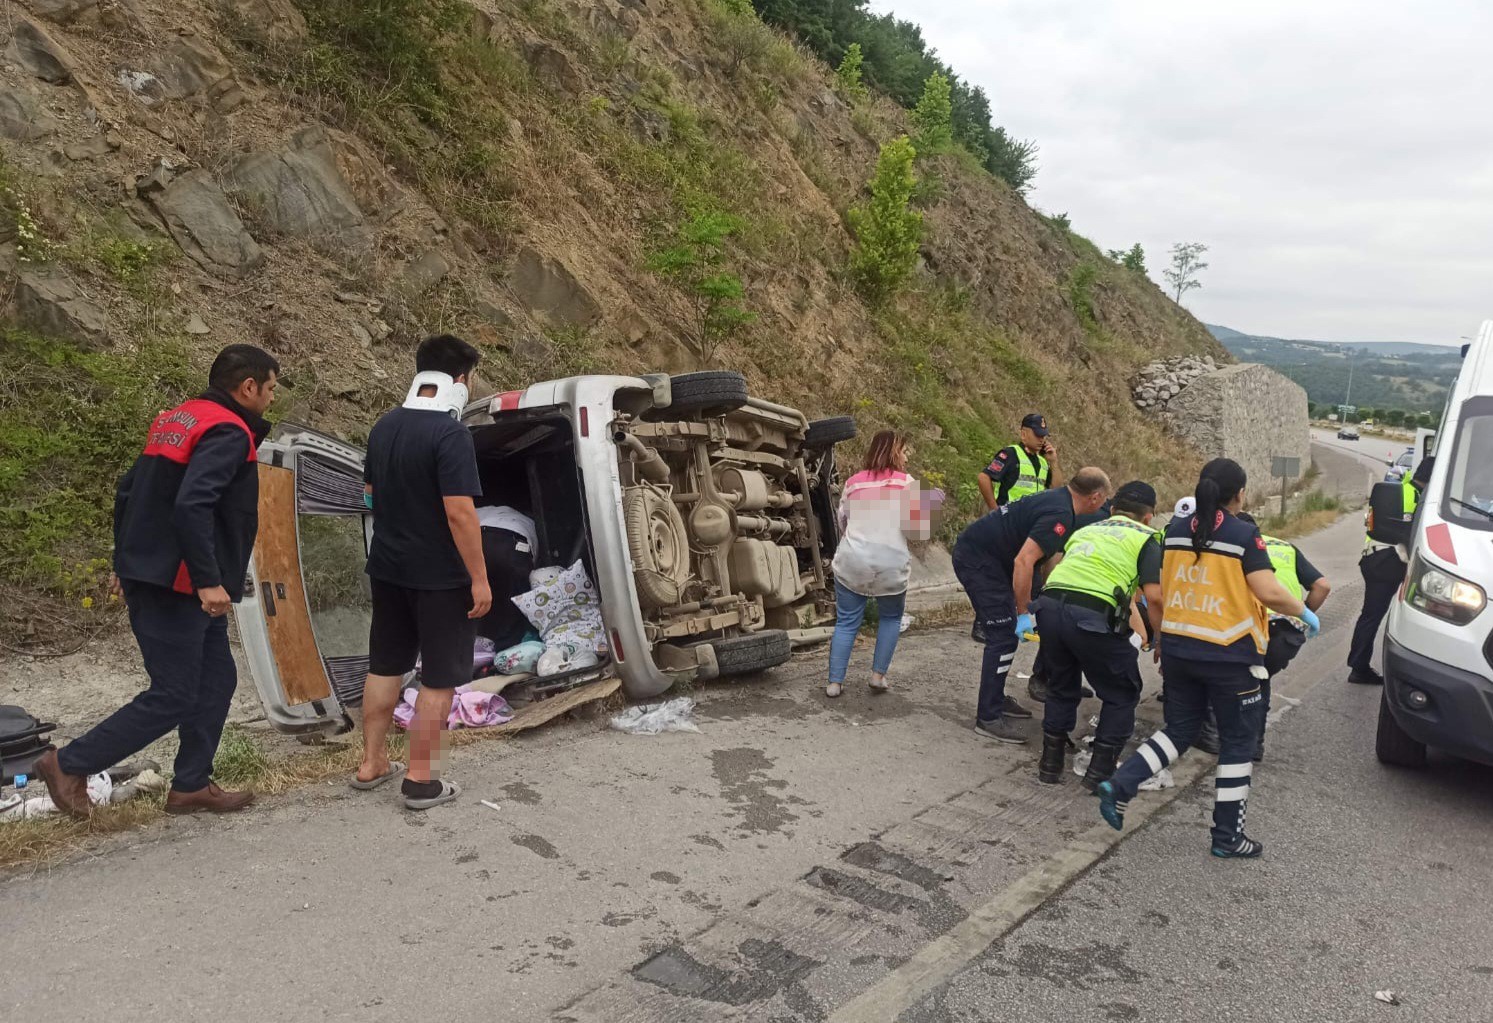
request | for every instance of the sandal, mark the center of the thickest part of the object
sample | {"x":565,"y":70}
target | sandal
{"x":395,"y":770}
{"x":834,"y":689}
{"x":449,"y":791}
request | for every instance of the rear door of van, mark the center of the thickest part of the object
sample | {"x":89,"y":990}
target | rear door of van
{"x":304,"y":617}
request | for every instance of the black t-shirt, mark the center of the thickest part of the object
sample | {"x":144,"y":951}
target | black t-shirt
{"x":1046,"y":518}
{"x":415,"y":458}
{"x":1149,"y":563}
{"x":1005,"y":469}
{"x":1306,"y":572}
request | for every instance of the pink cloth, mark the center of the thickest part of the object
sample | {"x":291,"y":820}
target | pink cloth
{"x":469,"y":709}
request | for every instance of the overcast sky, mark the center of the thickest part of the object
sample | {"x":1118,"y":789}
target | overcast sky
{"x":1336,"y":157}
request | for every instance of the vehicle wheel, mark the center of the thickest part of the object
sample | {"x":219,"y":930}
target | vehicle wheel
{"x":756,"y":651}
{"x":1392,"y":745}
{"x":825,"y":433}
{"x":712,"y":392}
{"x":659,"y":545}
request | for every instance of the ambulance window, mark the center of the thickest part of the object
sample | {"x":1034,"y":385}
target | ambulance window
{"x":1469,"y":491}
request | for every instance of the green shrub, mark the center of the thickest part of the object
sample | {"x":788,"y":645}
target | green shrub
{"x":697,"y":263}
{"x":934,"y":116}
{"x":887,"y":232}
{"x":71,"y":423}
{"x":849,"y":72}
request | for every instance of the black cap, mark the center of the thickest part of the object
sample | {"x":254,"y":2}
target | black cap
{"x":1137,"y":492}
{"x":1036,"y":424}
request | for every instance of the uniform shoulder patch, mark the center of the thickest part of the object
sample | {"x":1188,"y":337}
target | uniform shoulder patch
{"x":1060,"y":529}
{"x":1260,"y":542}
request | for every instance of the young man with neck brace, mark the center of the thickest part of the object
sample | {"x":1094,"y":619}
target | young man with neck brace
{"x":428,"y":576}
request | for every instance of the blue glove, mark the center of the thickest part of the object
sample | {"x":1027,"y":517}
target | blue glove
{"x":1313,"y":623}
{"x":1024,"y":624}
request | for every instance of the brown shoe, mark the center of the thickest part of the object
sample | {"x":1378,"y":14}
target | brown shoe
{"x":68,"y":791}
{"x":211,"y":799}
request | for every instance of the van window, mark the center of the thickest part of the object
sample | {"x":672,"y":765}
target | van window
{"x":1469,"y":490}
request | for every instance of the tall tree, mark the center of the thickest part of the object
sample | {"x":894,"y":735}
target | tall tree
{"x":934,"y":115}
{"x":1187,"y":263}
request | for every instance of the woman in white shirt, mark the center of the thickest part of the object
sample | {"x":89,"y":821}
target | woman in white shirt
{"x":880,"y":507}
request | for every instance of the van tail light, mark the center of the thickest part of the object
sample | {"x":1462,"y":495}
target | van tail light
{"x":585,"y":422}
{"x":508,"y":401}
{"x":617,"y":647}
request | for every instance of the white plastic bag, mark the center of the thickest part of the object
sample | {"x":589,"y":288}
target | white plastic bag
{"x":652,"y":718}
{"x":1162,"y":779}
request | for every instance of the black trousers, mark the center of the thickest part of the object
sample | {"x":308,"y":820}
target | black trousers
{"x":1382,"y":572}
{"x":192,"y":679}
{"x":988,"y":584}
{"x":508,"y":576}
{"x":1078,"y":644}
{"x":1236,"y":695}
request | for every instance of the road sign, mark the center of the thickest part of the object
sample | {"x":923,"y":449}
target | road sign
{"x":1281,"y":465}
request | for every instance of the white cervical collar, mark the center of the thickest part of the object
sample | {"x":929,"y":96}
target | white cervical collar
{"x":450,"y":397}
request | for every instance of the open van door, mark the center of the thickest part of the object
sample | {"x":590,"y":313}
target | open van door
{"x":304,"y":617}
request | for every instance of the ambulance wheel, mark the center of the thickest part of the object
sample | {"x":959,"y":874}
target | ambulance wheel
{"x":1392,"y":745}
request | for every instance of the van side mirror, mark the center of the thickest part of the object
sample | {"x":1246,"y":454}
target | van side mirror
{"x":1388,"y":522}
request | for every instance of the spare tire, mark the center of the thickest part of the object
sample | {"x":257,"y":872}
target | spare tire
{"x":756,"y":651}
{"x":659,"y":546}
{"x":713,"y":392}
{"x":823,"y":433}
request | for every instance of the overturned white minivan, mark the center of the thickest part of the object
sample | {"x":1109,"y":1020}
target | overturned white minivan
{"x":703,"y":515}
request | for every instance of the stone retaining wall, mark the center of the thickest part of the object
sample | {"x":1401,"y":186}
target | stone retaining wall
{"x":1245,"y":412}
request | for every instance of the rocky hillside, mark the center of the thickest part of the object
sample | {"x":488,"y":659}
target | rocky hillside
{"x":333,"y":179}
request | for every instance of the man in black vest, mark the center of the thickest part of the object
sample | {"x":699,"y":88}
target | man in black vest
{"x":185,"y":519}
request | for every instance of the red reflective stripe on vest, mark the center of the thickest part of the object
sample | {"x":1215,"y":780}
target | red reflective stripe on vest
{"x":175,"y":434}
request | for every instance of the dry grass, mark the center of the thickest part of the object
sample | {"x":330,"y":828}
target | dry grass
{"x":1303,"y":523}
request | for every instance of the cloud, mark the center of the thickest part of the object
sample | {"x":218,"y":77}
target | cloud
{"x":1336,"y":157}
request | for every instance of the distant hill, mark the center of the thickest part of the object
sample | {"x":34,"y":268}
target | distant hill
{"x":1385,"y":374}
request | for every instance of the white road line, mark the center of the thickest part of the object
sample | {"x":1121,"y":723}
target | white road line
{"x":937,"y":962}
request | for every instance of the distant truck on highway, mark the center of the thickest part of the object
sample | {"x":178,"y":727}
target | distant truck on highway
{"x":1438,"y":647}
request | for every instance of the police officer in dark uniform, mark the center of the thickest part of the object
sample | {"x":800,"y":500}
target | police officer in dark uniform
{"x":996,"y":560}
{"x":1383,"y":569}
{"x":1084,"y":618}
{"x":1019,"y":470}
{"x":185,"y":519}
{"x":1216,"y":582}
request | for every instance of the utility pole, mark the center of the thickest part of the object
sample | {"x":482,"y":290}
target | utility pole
{"x":1348,"y":398}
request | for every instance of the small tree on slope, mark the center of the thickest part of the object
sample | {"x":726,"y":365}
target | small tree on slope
{"x":887,"y":231}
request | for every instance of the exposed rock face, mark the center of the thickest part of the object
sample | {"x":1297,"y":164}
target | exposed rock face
{"x":1160,"y":382}
{"x":22,"y":118}
{"x":61,"y":11}
{"x":271,"y":23}
{"x":32,"y":48}
{"x":52,"y":304}
{"x":202,"y":222}
{"x":551,"y":291}
{"x":299,"y":191}
{"x":195,"y":69}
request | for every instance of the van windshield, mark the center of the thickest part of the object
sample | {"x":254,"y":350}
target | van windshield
{"x":1469,"y":491}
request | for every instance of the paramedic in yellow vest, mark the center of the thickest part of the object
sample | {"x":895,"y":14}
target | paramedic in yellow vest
{"x":1084,"y":619}
{"x":1217,"y":582}
{"x":1288,"y":635}
{"x":1383,"y":569}
{"x":1027,"y":467}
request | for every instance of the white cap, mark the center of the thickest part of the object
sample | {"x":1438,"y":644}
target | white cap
{"x":1186,"y":507}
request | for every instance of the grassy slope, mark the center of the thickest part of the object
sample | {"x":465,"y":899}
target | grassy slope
{"x":587,"y":132}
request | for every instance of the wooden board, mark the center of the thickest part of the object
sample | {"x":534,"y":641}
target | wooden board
{"x":535,"y":714}
{"x":282,"y":593}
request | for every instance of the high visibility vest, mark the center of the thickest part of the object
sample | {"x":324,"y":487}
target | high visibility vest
{"x":1103,"y":559}
{"x":1283,"y":557}
{"x":1205,"y":596}
{"x":1032,"y":475}
{"x":1410,"y":498}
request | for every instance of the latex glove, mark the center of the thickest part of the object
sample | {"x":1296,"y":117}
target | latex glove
{"x":1313,"y":623}
{"x":1024,"y":624}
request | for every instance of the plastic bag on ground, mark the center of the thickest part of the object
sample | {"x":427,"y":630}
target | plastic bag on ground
{"x":653,"y":718}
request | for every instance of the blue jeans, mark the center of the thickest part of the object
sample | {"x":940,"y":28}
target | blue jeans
{"x":850,"y":609}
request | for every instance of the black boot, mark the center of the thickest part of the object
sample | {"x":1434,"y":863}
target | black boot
{"x":1208,"y":738}
{"x":1054,"y":756}
{"x":1037,"y":688}
{"x":1101,"y":765}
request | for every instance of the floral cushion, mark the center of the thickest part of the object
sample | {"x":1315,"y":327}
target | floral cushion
{"x":564,"y":607}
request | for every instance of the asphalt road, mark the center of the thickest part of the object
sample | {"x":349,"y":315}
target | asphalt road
{"x":800,"y":860}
